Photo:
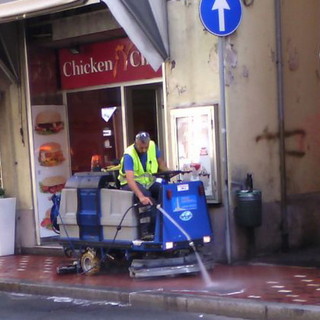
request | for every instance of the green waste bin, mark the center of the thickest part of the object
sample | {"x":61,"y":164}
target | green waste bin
{"x":248,"y":211}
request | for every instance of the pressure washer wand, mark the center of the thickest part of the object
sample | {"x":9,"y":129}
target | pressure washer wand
{"x":191,"y":243}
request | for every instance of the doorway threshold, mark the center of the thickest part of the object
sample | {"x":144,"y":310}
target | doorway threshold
{"x":49,"y":246}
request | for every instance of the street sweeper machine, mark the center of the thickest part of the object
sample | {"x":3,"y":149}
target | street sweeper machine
{"x":100,"y":224}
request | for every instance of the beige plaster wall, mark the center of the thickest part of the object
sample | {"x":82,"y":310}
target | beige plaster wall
{"x":192,"y":75}
{"x":14,"y":146}
{"x":301,"y":65}
{"x":301,"y":45}
{"x":251,"y":99}
{"x":6,"y":152}
{"x":20,"y":148}
{"x":192,"y":78}
{"x":15,"y":158}
{"x":253,"y":120}
{"x":252,"y":123}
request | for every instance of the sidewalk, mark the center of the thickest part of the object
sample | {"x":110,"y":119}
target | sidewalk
{"x":252,"y":291}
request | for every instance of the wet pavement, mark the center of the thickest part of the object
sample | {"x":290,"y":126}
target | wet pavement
{"x":286,"y":284}
{"x":249,"y":282}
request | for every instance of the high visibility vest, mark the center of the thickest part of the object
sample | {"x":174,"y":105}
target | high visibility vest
{"x":141,"y":176}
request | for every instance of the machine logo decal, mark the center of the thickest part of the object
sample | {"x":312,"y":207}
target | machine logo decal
{"x":183,"y":187}
{"x":186,"y":216}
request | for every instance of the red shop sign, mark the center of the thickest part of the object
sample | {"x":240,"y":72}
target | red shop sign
{"x":104,"y":63}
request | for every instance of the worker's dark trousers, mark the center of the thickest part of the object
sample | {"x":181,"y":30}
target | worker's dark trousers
{"x":147,"y":214}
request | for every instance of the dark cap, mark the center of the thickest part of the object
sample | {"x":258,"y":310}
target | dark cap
{"x":143,"y":136}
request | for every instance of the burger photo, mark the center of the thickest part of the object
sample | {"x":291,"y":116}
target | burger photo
{"x":52,"y":184}
{"x":50,"y":154}
{"x":48,"y":122}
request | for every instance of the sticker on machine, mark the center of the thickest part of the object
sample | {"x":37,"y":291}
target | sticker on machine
{"x":184,"y":203}
{"x":183,"y":187}
{"x":186,"y":216}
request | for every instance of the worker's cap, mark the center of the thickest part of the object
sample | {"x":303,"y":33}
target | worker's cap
{"x":143,"y":136}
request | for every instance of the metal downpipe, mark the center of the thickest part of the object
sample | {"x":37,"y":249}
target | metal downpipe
{"x":281,"y":128}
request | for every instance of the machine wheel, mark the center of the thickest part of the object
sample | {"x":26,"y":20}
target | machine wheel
{"x":90,"y":263}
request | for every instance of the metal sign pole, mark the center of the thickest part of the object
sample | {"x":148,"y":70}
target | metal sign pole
{"x":224,"y":143}
{"x":222,"y":18}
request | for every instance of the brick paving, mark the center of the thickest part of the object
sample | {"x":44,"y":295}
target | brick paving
{"x":256,"y":282}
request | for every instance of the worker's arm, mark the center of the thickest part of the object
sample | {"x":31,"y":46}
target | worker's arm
{"x":134,"y":187}
{"x":162,"y":165}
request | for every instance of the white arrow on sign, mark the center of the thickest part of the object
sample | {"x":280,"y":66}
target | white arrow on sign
{"x":221,"y":5}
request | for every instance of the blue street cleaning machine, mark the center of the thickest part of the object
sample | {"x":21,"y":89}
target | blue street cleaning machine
{"x":99,"y":223}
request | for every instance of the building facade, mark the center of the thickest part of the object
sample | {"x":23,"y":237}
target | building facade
{"x":222,"y":107}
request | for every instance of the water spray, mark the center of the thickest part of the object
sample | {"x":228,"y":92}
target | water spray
{"x":176,"y":224}
{"x":204,"y":272}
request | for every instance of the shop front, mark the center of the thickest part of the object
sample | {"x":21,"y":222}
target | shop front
{"x":87,"y":105}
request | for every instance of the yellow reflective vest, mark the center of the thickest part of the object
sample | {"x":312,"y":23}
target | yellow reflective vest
{"x":140,"y":175}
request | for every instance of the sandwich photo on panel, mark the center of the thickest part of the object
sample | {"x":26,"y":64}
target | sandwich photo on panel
{"x":52,"y":184}
{"x":48,"y":122}
{"x":50,"y":154}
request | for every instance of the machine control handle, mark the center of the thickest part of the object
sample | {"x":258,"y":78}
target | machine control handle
{"x":167,"y":175}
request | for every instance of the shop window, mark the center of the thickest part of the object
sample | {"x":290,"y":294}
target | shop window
{"x":195,"y":146}
{"x":91,"y":133}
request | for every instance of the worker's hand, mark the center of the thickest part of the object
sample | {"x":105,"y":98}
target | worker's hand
{"x":145,"y":201}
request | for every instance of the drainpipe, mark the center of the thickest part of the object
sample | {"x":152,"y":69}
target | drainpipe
{"x":281,"y":128}
{"x":224,"y":142}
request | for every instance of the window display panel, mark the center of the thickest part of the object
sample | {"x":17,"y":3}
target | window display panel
{"x":196,"y":147}
{"x":52,"y":165}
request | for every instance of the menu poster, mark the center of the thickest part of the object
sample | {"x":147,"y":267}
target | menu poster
{"x":196,"y":147}
{"x":52,"y":161}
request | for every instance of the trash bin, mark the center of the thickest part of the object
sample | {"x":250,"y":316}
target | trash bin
{"x":248,"y":212}
{"x":7,"y":226}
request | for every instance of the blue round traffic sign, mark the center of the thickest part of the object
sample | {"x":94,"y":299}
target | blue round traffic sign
{"x":221,"y":17}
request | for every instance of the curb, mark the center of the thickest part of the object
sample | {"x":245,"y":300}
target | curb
{"x":229,"y":307}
